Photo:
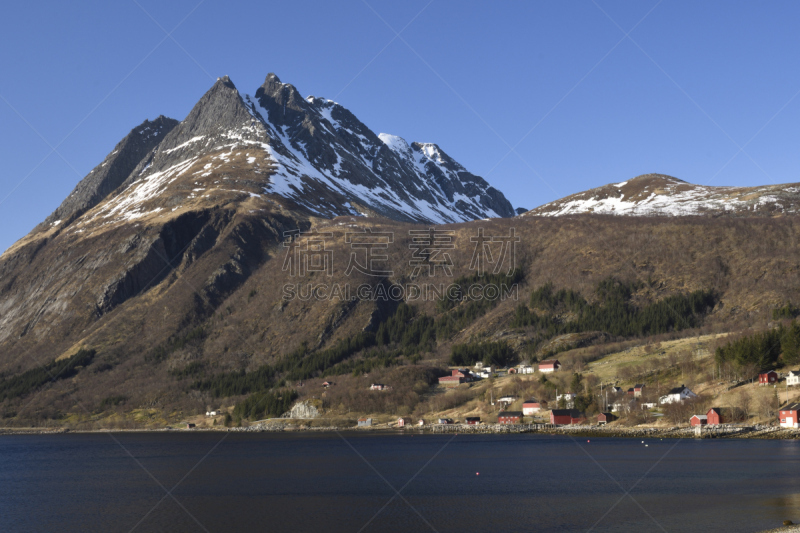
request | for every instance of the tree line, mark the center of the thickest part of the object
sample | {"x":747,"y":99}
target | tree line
{"x":613,"y":311}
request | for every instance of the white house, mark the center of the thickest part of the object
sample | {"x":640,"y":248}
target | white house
{"x":569,"y":399}
{"x":678,"y":394}
{"x":622,"y":405}
{"x":793,"y":378}
{"x":507,"y":399}
{"x":525,"y":369}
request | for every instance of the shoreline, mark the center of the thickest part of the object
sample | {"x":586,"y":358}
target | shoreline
{"x":734,"y":432}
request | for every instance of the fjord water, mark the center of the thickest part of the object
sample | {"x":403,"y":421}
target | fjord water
{"x":341,"y":482}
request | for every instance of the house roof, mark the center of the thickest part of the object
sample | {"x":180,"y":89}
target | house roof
{"x":794,"y":372}
{"x":530,"y":400}
{"x":678,"y":390}
{"x":573,"y":413}
{"x":639,"y":386}
{"x":791,"y":407}
{"x":717,"y":410}
{"x":549,"y":362}
{"x":764,"y":373}
{"x":510,"y":413}
{"x":700,"y":417}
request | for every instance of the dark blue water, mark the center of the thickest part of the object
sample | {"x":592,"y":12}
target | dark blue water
{"x":326,"y":482}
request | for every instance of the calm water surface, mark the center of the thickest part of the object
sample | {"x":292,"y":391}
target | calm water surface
{"x":331,"y":483}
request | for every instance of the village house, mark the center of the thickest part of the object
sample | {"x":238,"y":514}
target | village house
{"x":623,"y":405}
{"x":698,"y":420}
{"x":569,"y":399}
{"x":605,"y":418}
{"x":788,"y":416}
{"x":364,"y":422}
{"x":531,"y":406}
{"x":456,"y":378}
{"x":793,"y":378}
{"x":636,"y":391}
{"x":445,"y":421}
{"x":211,"y":413}
{"x":521,"y":369}
{"x":328,"y":384}
{"x":566,"y":417}
{"x":549,"y":365}
{"x":509,"y":417}
{"x":420,"y":422}
{"x":472,"y":420}
{"x":189,"y":425}
{"x":616,"y":390}
{"x":506,"y":400}
{"x":403,"y":422}
{"x":768,"y":378}
{"x":379,"y":386}
{"x":678,"y":394}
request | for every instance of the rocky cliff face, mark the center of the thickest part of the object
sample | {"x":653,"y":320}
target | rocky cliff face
{"x":660,"y":195}
{"x":112,"y":172}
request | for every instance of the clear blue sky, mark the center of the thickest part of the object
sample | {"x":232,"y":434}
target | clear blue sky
{"x":694,"y":84}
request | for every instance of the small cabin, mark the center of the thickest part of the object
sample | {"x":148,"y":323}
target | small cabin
{"x":698,"y":420}
{"x":364,"y":422}
{"x":605,"y":418}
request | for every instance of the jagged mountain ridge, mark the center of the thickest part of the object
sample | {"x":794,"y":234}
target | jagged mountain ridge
{"x":661,"y":195}
{"x":312,"y":152}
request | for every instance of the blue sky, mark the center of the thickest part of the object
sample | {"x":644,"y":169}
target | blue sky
{"x":704,"y":91}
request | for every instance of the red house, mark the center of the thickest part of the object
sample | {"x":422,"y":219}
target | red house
{"x":714,"y":416}
{"x":403,"y":422}
{"x":767,"y":378}
{"x":509,"y":417}
{"x":531,"y":406}
{"x":473,"y":420}
{"x":698,"y":420}
{"x":788,"y":415}
{"x":605,"y":418}
{"x":549,"y":365}
{"x":566,"y":417}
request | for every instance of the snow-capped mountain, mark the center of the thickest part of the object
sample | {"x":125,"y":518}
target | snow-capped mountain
{"x":660,"y":195}
{"x":307,"y":154}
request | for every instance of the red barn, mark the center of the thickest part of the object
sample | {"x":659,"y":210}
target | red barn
{"x":767,"y":378}
{"x":566,"y":417}
{"x":714,"y":416}
{"x":698,"y":420}
{"x":509,"y":417}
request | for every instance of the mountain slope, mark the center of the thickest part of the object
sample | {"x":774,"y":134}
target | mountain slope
{"x":660,"y":195}
{"x":211,"y":196}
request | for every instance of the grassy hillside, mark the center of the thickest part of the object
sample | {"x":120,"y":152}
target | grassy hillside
{"x":219,"y":327}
